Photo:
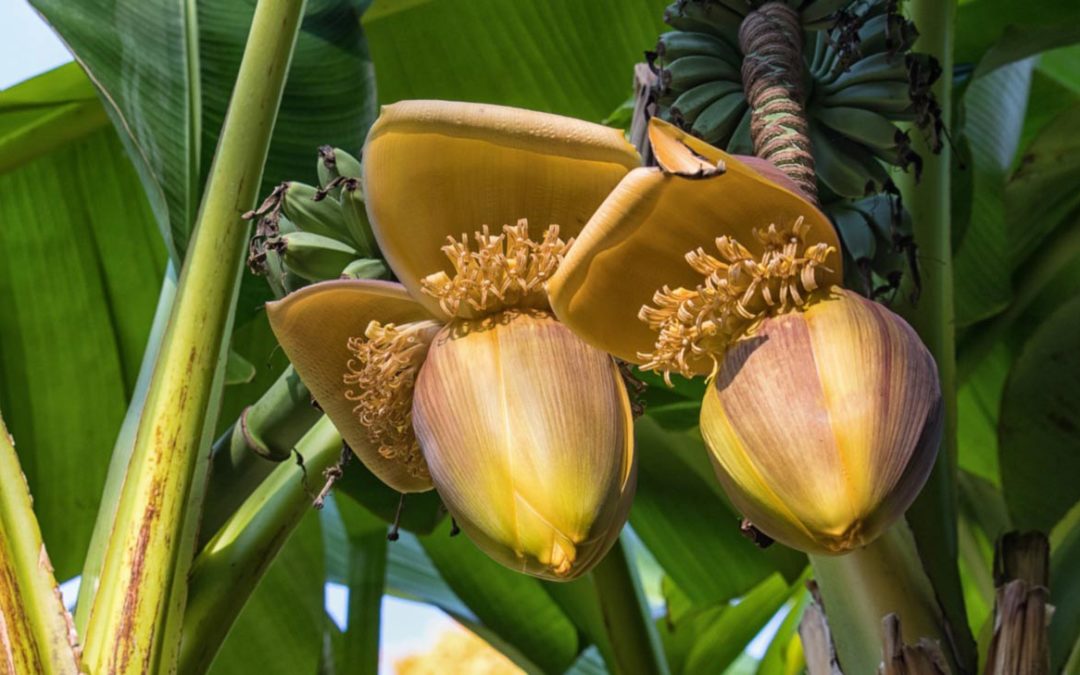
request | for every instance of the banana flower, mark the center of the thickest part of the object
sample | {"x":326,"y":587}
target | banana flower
{"x":459,"y":377}
{"x":822,"y":413}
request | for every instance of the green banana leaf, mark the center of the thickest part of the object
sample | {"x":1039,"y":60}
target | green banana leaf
{"x":564,"y":56}
{"x":280,"y":629}
{"x":1039,"y":441}
{"x":689,"y":528}
{"x":83,"y":265}
{"x":994,"y":108}
{"x":1065,"y":589}
{"x":994,"y":33}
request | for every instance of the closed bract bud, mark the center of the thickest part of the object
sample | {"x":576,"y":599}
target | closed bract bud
{"x":823,"y":424}
{"x":528,"y":435}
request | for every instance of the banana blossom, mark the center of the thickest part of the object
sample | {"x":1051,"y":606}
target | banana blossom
{"x":823,"y":410}
{"x":459,"y":377}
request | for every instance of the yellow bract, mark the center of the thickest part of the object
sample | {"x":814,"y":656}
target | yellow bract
{"x":524,"y":429}
{"x":315,"y":326}
{"x":637,"y":241}
{"x":438,"y":169}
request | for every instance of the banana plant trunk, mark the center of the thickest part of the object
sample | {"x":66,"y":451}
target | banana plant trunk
{"x":136,"y":616}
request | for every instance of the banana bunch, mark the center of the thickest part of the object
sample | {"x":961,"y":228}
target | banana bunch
{"x":307,"y":233}
{"x":862,"y":81}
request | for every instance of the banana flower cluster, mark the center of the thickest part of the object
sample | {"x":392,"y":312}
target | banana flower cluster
{"x":823,"y":410}
{"x":459,"y":377}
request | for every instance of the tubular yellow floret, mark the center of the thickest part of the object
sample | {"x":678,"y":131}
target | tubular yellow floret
{"x":381,"y":376}
{"x":505,"y":271}
{"x":738,"y":292}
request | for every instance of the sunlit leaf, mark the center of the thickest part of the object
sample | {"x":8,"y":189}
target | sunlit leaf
{"x":565,"y":56}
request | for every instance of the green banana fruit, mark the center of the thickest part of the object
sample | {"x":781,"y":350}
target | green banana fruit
{"x":885,"y":97}
{"x":319,"y":216}
{"x":874,"y":68}
{"x":693,"y":101}
{"x":864,"y":126}
{"x":366,"y":268}
{"x":704,"y":17}
{"x":356,"y":218}
{"x":819,"y":14}
{"x":313,"y":256}
{"x":689,"y":71}
{"x":336,"y":163}
{"x":837,"y":172}
{"x":677,"y":44}
{"x":716,"y":123}
{"x":741,"y":142}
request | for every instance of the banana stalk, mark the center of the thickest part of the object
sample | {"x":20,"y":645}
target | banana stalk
{"x":244,"y":455}
{"x":861,"y":588}
{"x":230,"y":566}
{"x":121,"y":455}
{"x":933,"y":516}
{"x":135,"y":621}
{"x":36,"y":632}
{"x":635,"y":644}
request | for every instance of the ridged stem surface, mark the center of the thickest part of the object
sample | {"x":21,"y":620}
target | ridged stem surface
{"x":772,"y":73}
{"x":135,"y":620}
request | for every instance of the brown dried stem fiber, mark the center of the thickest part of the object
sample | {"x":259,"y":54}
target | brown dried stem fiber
{"x":772,"y":73}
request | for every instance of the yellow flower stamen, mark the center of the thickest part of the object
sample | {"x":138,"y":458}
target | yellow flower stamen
{"x":506,"y":271}
{"x":739,"y":291}
{"x":381,"y":377}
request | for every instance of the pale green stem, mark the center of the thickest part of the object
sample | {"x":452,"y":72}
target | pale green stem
{"x":121,"y":455}
{"x":860,"y":588}
{"x":933,"y":516}
{"x":635,"y":643}
{"x":36,"y":632}
{"x":246,"y":454}
{"x":367,"y":578}
{"x":137,"y":613}
{"x":231,"y":565}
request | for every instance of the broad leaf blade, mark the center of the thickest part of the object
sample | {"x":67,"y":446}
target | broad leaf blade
{"x":565,"y":56}
{"x":79,"y":287}
{"x":280,"y":628}
{"x":143,"y":58}
{"x":689,"y":529}
{"x":1039,"y":440}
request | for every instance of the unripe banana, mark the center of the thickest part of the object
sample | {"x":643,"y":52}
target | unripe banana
{"x":741,"y":142}
{"x":704,"y":17}
{"x":315,"y":257}
{"x":716,"y":123}
{"x":689,"y":71}
{"x":336,"y":163}
{"x":839,"y":173}
{"x":356,"y":218}
{"x":885,"y":97}
{"x":855,"y":233}
{"x":366,"y":268}
{"x":874,"y":68}
{"x":693,"y":101}
{"x":864,"y":126}
{"x":819,"y":13}
{"x":677,"y":44}
{"x":321,"y":216}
